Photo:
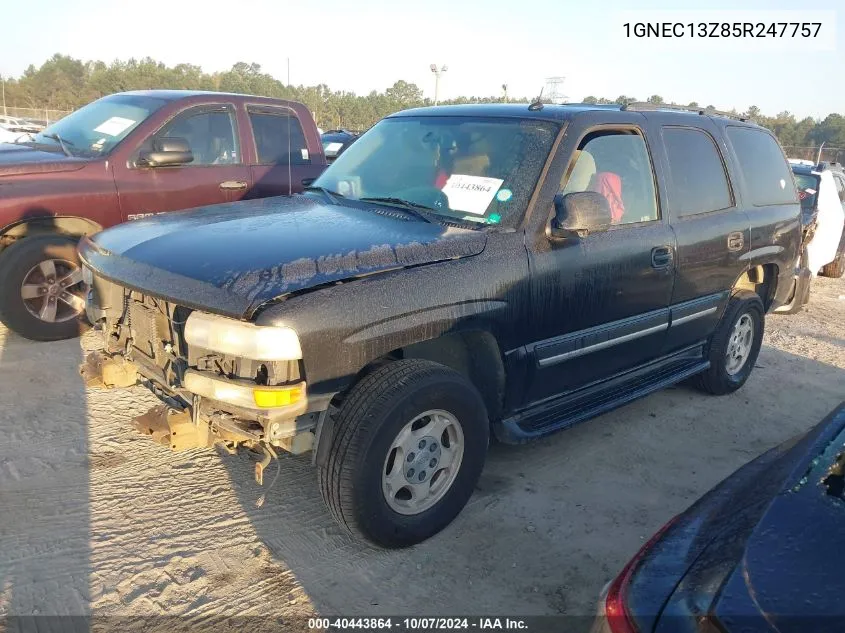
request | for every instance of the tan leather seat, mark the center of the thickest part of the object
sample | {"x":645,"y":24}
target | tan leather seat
{"x":580,"y":172}
{"x":474,"y":165}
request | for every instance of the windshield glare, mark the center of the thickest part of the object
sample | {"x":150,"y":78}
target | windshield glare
{"x":474,"y":169}
{"x":95,"y":129}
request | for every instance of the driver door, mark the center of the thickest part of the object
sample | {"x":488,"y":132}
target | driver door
{"x":217,"y":173}
{"x":600,"y":303}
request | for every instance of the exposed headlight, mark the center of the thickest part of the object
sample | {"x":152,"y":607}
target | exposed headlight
{"x":245,"y":340}
{"x":245,"y":395}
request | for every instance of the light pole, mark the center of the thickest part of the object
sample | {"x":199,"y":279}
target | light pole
{"x":437,"y":72}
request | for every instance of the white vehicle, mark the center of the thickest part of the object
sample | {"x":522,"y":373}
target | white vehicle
{"x":19,"y":125}
{"x":9,"y":136}
{"x":822,"y":192}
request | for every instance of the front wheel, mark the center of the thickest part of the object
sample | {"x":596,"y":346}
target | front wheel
{"x":42,"y":296}
{"x":735,"y":345}
{"x":407,"y":449}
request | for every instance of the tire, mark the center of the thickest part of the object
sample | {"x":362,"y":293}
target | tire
{"x":834,"y":269}
{"x":719,"y":380}
{"x":18,"y":264}
{"x":372,"y":418}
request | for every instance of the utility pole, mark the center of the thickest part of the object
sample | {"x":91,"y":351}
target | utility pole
{"x":819,"y":155}
{"x":437,"y":72}
{"x":3,"y":82}
{"x":288,"y":72}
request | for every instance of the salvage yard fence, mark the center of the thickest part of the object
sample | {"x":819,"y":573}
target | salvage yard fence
{"x":41,"y":115}
{"x":829,"y":154}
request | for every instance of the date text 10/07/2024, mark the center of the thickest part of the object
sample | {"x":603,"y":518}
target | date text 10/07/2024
{"x":421,"y":624}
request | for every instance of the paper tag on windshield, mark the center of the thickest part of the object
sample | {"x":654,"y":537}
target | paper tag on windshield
{"x":114,"y":126}
{"x":471,"y":194}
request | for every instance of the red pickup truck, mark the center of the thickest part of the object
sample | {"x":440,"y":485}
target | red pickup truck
{"x":127,"y":156}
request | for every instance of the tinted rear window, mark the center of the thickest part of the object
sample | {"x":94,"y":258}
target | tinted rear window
{"x":808,"y":188}
{"x":697,"y":174}
{"x":279,"y":139}
{"x":767,"y":175}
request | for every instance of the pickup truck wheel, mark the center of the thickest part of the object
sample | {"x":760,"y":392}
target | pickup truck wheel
{"x":735,"y":345}
{"x":834,"y":269}
{"x":408,"y":446}
{"x":43,"y":295}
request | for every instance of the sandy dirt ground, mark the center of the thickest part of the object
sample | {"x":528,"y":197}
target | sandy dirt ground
{"x":95,"y":519}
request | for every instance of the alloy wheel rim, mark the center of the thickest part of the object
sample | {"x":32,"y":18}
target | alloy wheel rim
{"x":423,"y":462}
{"x":53,"y":291}
{"x":739,"y":344}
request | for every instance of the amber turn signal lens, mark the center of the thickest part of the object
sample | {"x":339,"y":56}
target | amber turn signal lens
{"x":270,"y":399}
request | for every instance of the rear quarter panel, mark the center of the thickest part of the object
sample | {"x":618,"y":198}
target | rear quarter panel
{"x":775,"y":236}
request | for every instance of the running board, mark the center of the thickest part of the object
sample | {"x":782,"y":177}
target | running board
{"x":592,"y":401}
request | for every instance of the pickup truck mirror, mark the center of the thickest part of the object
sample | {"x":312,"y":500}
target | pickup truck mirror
{"x":579,"y":214}
{"x":166,"y":152}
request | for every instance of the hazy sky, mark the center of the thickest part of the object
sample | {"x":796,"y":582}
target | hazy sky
{"x":363,"y":45}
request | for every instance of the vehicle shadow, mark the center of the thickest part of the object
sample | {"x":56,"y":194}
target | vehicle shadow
{"x":45,"y":561}
{"x":552,"y":521}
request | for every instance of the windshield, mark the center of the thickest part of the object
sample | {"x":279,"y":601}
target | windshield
{"x":808,"y":189}
{"x":474,"y":169}
{"x":95,"y":129}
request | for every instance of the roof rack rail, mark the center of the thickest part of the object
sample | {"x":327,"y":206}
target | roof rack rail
{"x":644,"y":105}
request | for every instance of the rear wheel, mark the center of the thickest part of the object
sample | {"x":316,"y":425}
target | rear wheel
{"x":43,"y":295}
{"x":408,"y":446}
{"x":735,"y":345}
{"x":836,"y":268}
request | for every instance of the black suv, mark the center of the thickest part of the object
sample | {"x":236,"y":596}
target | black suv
{"x":458,"y":271}
{"x":335,"y":142}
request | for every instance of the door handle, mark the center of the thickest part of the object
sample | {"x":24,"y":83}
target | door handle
{"x":661,"y":256}
{"x":233,"y":184}
{"x":736,"y":241}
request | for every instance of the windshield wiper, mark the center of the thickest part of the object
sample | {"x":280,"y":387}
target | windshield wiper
{"x":62,"y":142}
{"x":326,"y":192}
{"x":409,"y":207}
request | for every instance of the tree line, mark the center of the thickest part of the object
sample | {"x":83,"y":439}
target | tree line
{"x":65,"y":83}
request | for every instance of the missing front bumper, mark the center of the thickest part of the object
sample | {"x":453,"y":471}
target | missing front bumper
{"x":193,"y":420}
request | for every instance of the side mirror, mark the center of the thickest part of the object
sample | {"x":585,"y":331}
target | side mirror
{"x":579,"y":214}
{"x":167,"y":152}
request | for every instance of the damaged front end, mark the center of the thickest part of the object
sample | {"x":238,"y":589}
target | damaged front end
{"x":221,"y":381}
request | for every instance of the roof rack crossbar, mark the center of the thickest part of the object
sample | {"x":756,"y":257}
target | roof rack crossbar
{"x":644,"y":105}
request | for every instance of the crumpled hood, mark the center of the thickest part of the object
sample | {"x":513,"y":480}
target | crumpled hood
{"x":16,"y":160}
{"x":231,"y":258}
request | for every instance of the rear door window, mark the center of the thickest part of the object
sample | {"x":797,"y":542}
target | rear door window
{"x":697,"y":182}
{"x":808,"y":189}
{"x":765,"y":171}
{"x":279,"y":139}
{"x":840,"y":186}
